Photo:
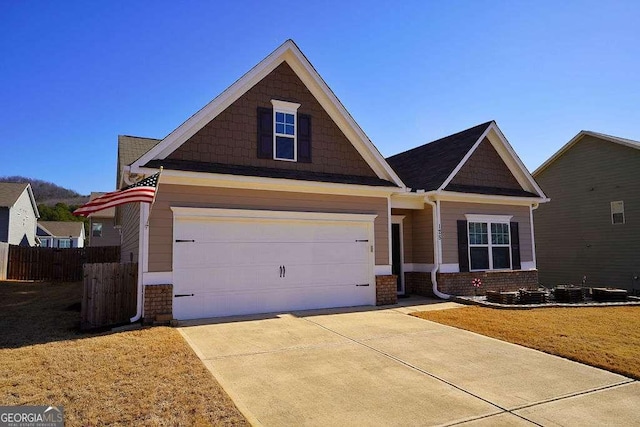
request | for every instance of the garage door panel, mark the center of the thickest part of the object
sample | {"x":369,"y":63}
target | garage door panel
{"x":232,"y":267}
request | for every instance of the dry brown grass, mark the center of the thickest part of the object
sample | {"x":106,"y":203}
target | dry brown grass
{"x":605,"y":337}
{"x":143,"y":377}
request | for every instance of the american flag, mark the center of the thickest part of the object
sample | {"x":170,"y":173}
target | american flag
{"x":142,"y":191}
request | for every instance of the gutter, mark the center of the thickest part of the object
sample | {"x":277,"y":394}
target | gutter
{"x":437,"y":250}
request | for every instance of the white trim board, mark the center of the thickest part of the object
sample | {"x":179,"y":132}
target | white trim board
{"x":290,"y":53}
{"x":195,"y":213}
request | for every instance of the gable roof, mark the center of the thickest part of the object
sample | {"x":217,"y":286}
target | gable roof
{"x":11,"y":191}
{"x":62,"y":228}
{"x":432,"y":166}
{"x":290,"y":53}
{"x":417,"y":167}
{"x":616,"y":140}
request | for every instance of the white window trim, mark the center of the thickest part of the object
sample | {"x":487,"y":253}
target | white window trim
{"x":286,"y":108}
{"x":489,"y":219}
{"x":624,"y":219}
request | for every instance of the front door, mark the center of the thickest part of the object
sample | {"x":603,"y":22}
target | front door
{"x":396,"y":256}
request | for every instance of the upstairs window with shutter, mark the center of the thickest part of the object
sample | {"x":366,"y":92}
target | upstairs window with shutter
{"x":283,"y":134}
{"x":284,"y":130}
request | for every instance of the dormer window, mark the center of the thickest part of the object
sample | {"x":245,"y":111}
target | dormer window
{"x":285,"y":145}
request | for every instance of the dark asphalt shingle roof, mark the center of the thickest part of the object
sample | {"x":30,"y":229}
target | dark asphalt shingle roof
{"x":428,"y":166}
{"x":191,"y":166}
{"x":9,"y":193}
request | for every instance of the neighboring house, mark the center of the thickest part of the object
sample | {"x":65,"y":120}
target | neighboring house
{"x":592,"y":227}
{"x":272,"y":198}
{"x":102,"y":229}
{"x":61,"y":234}
{"x":18,"y":214}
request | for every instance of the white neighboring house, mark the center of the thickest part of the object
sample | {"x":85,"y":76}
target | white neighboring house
{"x":18,"y":214}
{"x":61,"y":234}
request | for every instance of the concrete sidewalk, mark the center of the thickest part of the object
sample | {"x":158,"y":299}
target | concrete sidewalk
{"x":383,"y":367}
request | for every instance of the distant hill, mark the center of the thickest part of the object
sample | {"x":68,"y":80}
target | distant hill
{"x":48,"y":193}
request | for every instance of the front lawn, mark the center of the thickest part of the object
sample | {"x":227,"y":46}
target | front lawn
{"x":142,"y":377}
{"x":605,"y":337}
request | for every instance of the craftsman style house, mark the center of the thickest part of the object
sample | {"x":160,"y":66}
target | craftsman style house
{"x":272,"y":198}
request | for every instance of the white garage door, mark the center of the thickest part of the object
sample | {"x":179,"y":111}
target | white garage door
{"x":229,"y":262}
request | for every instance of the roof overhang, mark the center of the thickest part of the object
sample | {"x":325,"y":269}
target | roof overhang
{"x":290,"y":53}
{"x":495,"y":136}
{"x":451,"y":196}
{"x":622,"y":141}
{"x":207,"y":179}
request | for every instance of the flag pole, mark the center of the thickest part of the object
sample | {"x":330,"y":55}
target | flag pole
{"x":154,"y":197}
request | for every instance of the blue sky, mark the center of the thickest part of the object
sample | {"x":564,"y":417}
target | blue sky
{"x":74,"y":75}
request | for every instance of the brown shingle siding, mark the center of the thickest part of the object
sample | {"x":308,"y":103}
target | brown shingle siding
{"x":486,"y":168}
{"x":231,"y":137}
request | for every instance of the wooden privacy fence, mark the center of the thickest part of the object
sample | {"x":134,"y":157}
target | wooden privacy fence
{"x":109,"y":295}
{"x":55,"y":264}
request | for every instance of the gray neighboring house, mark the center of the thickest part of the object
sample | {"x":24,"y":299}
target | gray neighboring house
{"x":592,"y":225}
{"x":18,"y":214}
{"x":102,"y":228}
{"x":61,"y":234}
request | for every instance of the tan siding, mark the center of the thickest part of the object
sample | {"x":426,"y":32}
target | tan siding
{"x":574,"y":234}
{"x":423,"y":236}
{"x":486,"y":168}
{"x":110,"y":235}
{"x":231,"y":138}
{"x":130,"y":214}
{"x":161,"y":222}
{"x":407,"y":232}
{"x":451,"y":212}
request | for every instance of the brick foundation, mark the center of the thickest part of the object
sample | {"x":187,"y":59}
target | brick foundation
{"x":158,"y":303}
{"x":386,"y":290}
{"x":460,"y":283}
{"x":418,"y":284}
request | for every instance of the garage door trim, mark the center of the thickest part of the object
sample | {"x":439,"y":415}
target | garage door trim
{"x":205,"y":213}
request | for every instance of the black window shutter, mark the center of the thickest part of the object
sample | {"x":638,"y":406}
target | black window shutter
{"x":304,"y":138}
{"x":463,"y":246}
{"x":515,"y":247}
{"x":265,"y":133}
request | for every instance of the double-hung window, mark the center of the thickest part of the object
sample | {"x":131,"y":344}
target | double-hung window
{"x":285,"y":145}
{"x":489,"y":242}
{"x":96,"y":229}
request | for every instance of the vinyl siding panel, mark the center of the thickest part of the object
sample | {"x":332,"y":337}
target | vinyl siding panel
{"x":451,"y":212}
{"x":574,"y":233}
{"x":130,"y":217}
{"x":161,"y":221}
{"x":110,"y":235}
{"x":423,"y":235}
{"x":22,"y":222}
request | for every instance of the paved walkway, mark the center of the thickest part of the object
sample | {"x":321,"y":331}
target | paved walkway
{"x":383,"y":367}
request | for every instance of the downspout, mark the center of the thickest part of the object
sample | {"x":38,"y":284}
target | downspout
{"x":532,"y":208}
{"x":437,"y":249}
{"x":141,"y":236}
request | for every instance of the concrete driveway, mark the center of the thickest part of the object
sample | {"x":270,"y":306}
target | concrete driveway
{"x":383,"y":367}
